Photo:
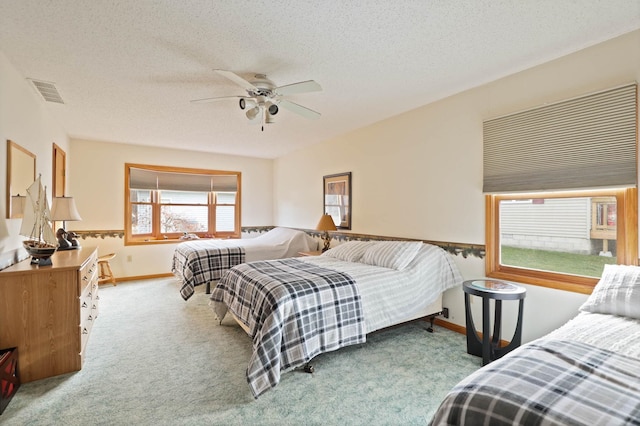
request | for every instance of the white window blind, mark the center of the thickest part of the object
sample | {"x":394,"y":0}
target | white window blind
{"x":153,"y":179}
{"x":582,"y":143}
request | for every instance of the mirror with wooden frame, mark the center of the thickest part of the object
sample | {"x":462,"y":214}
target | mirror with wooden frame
{"x":21,"y":172}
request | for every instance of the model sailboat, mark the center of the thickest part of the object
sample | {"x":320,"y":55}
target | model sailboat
{"x":41,"y":242}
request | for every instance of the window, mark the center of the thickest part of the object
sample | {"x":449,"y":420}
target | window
{"x":163,"y":203}
{"x":559,"y":229}
{"x":561,"y":239}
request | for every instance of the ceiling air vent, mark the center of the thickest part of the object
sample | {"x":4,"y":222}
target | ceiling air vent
{"x":47,"y":90}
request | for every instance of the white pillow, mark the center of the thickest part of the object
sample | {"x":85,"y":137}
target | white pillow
{"x":391,"y":254}
{"x":350,"y":251}
{"x":617,"y":292}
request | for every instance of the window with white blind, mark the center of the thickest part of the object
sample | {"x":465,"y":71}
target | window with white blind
{"x":165,"y":203}
{"x":561,"y":190}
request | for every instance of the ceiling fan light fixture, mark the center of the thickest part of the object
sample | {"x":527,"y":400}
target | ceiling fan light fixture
{"x":253,"y":113}
{"x":264,"y":99}
{"x":269,"y":118}
{"x":247,"y":103}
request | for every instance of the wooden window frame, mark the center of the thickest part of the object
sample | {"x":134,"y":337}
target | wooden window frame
{"x":156,"y":236}
{"x":626,"y":237}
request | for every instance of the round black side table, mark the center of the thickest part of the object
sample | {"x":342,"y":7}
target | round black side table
{"x":489,"y":347}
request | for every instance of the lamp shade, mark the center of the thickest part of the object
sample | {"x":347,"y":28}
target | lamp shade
{"x":17,"y":206}
{"x":326,"y":223}
{"x":64,"y":208}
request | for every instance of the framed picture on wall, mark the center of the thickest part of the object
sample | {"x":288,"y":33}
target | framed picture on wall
{"x":21,"y":172}
{"x":337,"y":198}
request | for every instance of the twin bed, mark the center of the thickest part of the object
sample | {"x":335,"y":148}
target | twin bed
{"x":586,"y":372}
{"x":204,"y":261}
{"x":296,"y":309}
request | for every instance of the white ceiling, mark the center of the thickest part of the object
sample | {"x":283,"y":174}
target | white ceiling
{"x":127,"y":69}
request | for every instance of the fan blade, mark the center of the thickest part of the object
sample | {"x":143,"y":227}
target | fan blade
{"x":299,"y":109}
{"x":237,"y":79}
{"x":221,"y":98}
{"x":301,"y":87}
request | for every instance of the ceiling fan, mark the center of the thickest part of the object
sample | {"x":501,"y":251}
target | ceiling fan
{"x":264,"y":99}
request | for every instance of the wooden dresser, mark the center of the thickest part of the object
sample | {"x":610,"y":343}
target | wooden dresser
{"x":48,"y":312}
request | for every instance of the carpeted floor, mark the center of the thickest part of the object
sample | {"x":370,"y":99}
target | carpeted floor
{"x":154,"y":359}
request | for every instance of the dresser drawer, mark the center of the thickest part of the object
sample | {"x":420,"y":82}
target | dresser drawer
{"x":88,"y":273}
{"x":88,"y":283}
{"x":87,"y":315}
{"x":95,"y":299}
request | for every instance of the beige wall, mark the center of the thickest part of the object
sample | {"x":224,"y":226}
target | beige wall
{"x":419,"y":174}
{"x":24,"y":120}
{"x":96,"y":181}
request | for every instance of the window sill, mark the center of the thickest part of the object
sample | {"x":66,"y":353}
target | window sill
{"x":577,"y":284}
{"x":152,"y":241}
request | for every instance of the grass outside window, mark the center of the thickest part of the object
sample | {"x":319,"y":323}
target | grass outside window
{"x":545,"y":260}
{"x":554,"y":269}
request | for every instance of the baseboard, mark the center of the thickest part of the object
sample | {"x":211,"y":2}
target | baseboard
{"x":142,"y":277}
{"x":462,"y":330}
{"x":451,"y":326}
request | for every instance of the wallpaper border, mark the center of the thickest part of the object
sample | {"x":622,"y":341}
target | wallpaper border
{"x":458,"y":249}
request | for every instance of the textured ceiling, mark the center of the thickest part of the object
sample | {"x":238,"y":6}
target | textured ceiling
{"x":127,"y":70}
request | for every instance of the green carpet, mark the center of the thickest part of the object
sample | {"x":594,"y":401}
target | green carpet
{"x":154,"y":359}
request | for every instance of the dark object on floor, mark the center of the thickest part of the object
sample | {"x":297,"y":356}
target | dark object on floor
{"x":9,"y":376}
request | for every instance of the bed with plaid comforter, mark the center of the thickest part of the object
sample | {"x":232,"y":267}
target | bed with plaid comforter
{"x":550,"y":382}
{"x":194,"y":265}
{"x":293,"y":310}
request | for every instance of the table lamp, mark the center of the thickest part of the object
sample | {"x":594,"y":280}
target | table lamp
{"x":64,"y":208}
{"x":326,"y":224}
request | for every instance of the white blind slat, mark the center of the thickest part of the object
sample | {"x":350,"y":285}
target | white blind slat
{"x":152,"y":179}
{"x":581,"y":143}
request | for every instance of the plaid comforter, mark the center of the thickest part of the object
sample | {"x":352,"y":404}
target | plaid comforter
{"x":551,"y":382}
{"x":294,"y":311}
{"x":194,"y":266}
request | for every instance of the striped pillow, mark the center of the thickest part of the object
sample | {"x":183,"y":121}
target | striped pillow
{"x":351,"y":251}
{"x":391,"y":254}
{"x":617,"y":292}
